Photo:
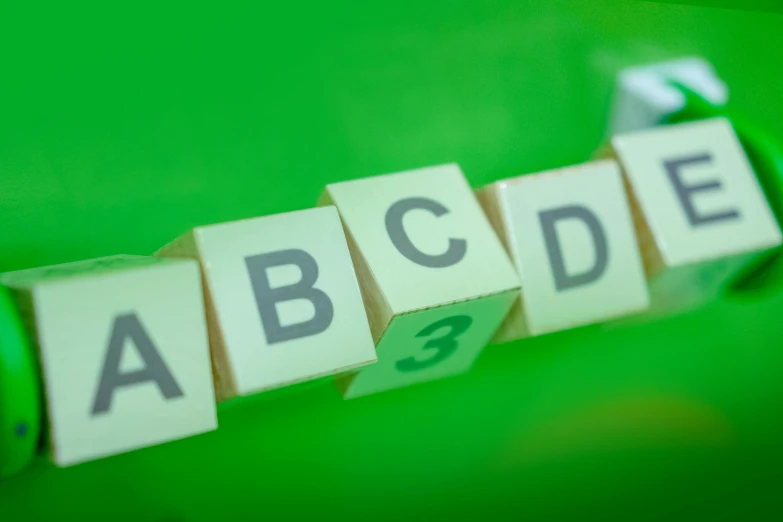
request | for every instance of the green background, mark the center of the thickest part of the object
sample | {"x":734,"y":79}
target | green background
{"x":125,"y":124}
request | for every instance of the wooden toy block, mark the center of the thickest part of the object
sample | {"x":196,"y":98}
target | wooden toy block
{"x":644,"y":95}
{"x":699,"y":212}
{"x":123,"y":350}
{"x":283,"y":301}
{"x":435,"y":279}
{"x":570,"y":234}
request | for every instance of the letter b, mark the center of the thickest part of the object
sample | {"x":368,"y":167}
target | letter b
{"x":267,"y":297}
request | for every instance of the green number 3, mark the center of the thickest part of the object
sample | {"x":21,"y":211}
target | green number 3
{"x":445,"y":345}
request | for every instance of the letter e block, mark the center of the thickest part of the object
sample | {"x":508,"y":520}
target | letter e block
{"x":700,"y":214}
{"x":283,"y":302}
{"x":434,"y":277}
{"x":571,"y":236}
{"x":123,"y":348}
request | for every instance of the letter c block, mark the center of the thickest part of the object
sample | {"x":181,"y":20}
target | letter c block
{"x":700,"y":214}
{"x":123,"y":350}
{"x":435,"y":279}
{"x":283,"y":302}
{"x":571,"y":236}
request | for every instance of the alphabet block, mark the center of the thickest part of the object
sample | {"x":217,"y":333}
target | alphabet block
{"x":644,"y":95}
{"x":123,"y":348}
{"x":699,"y":212}
{"x":283,"y":302}
{"x":434,"y":277}
{"x":571,"y":236}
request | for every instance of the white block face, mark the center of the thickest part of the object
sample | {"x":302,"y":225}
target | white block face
{"x":644,"y":95}
{"x":424,"y":236}
{"x":286,"y":298}
{"x":697,"y":191}
{"x":125,"y":359}
{"x":571,"y":236}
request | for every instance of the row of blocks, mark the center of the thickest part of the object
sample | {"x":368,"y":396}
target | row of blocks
{"x":410,"y":266}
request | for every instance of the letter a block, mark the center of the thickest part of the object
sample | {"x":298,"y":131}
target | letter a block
{"x":123,"y":348}
{"x":571,"y":236}
{"x":700,"y":214}
{"x":434,"y":276}
{"x":283,"y":302}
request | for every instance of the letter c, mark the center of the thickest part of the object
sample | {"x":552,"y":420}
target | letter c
{"x":457,"y":247}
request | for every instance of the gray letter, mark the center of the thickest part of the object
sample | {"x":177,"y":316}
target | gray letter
{"x":684,"y":191}
{"x":452,"y":256}
{"x":267,"y":297}
{"x":548,"y":219}
{"x":155,"y":370}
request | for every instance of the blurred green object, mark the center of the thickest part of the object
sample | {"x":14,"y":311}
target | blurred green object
{"x":125,"y":125}
{"x":20,"y":410}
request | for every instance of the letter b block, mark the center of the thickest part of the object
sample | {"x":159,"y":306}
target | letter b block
{"x":283,"y":302}
{"x":434,"y":277}
{"x":571,"y":235}
{"x":123,"y":349}
{"x":699,"y":211}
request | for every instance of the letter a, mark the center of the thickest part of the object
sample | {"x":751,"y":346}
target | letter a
{"x":155,"y":370}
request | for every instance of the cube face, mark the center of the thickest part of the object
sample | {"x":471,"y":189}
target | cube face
{"x":285,"y":300}
{"x":424,"y":237}
{"x":689,"y":286}
{"x":97,"y":266}
{"x":700,"y":214}
{"x":644,"y":95}
{"x":696,"y":192}
{"x":125,"y":358}
{"x":571,"y":235}
{"x":431,"y":344}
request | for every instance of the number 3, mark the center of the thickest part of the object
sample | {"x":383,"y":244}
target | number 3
{"x":445,"y":345}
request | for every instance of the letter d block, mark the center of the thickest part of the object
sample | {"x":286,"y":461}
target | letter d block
{"x":123,"y":349}
{"x":283,"y":302}
{"x":434,"y":276}
{"x":699,"y":211}
{"x":571,"y":235}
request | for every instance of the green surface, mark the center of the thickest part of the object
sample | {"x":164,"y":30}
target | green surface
{"x":125,"y":125}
